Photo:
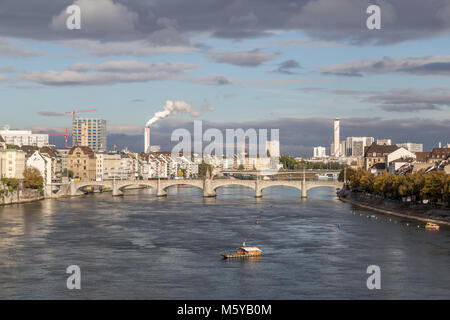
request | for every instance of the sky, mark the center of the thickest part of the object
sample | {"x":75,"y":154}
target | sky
{"x":290,"y":65}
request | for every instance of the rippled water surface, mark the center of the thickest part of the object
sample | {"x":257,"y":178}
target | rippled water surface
{"x":142,"y":247}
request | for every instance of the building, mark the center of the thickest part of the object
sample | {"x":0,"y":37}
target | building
{"x":320,"y":152}
{"x":342,"y":148}
{"x":355,"y":145}
{"x":2,"y":143}
{"x":378,"y":157}
{"x":93,"y":133}
{"x":413,"y":147}
{"x":384,"y":142}
{"x":375,"y":153}
{"x":23,"y":138}
{"x":81,"y":161}
{"x":273,"y":149}
{"x":46,"y":166}
{"x":12,"y":163}
{"x":336,"y":142}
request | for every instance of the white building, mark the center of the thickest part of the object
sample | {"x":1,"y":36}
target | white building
{"x":413,"y":147}
{"x":384,"y":142}
{"x":341,"y":150}
{"x":273,"y":148}
{"x":320,"y":152}
{"x":355,"y":145}
{"x":400,"y":153}
{"x":12,"y":163}
{"x":45,"y":165}
{"x":23,"y":138}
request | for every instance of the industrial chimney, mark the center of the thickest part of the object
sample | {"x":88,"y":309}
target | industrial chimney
{"x":337,"y":143}
{"x":147,"y":140}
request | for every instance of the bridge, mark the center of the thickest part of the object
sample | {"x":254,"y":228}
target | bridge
{"x":209,"y":186}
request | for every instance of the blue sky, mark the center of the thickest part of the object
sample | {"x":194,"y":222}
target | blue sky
{"x":294,"y":71}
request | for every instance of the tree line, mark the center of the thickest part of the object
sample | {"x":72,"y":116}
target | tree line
{"x":434,"y":186}
{"x":290,"y":163}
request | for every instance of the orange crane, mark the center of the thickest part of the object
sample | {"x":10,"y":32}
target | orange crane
{"x":66,"y":136}
{"x":74,"y":112}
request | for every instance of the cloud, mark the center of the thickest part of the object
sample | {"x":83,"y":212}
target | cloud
{"x":310,"y":89}
{"x":99,"y":18}
{"x":252,"y":58}
{"x":7,"y":48}
{"x":124,"y":48}
{"x":51,"y":114}
{"x":163,"y":21}
{"x":214,"y":80}
{"x":346,"y":92}
{"x":108,"y":73}
{"x":411,"y":100}
{"x":287,"y":66}
{"x":426,"y":65}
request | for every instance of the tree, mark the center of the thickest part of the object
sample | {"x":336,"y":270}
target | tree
{"x":349,"y":173}
{"x":11,"y":183}
{"x":433,"y":188}
{"x":203,"y":167}
{"x":32,"y":178}
{"x":241,"y":167}
{"x":287,"y":162}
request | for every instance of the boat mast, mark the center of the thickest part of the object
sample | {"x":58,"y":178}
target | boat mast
{"x":251,"y":231}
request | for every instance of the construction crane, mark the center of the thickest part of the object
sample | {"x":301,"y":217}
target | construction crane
{"x":74,"y":112}
{"x":66,"y":136}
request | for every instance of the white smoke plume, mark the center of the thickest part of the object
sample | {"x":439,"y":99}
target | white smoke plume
{"x":173,"y":107}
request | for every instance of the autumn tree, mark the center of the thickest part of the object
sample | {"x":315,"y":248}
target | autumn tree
{"x":32,"y":178}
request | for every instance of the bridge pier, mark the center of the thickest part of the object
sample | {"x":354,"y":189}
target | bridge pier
{"x":304,"y":190}
{"x":258,"y":191}
{"x":208,"y":191}
{"x":159,"y":190}
{"x":73,"y":190}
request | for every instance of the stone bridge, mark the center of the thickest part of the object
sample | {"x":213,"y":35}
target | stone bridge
{"x":208,"y":186}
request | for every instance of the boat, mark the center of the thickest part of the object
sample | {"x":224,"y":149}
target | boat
{"x":245,"y":251}
{"x":431,"y":226}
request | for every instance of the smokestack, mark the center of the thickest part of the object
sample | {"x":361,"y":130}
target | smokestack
{"x":337,"y":143}
{"x":440,"y":144}
{"x":147,"y":140}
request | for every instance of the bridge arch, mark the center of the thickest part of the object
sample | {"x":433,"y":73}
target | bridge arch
{"x":281,"y":185}
{"x":142,"y":183}
{"x":171,"y":183}
{"x":245,"y":183}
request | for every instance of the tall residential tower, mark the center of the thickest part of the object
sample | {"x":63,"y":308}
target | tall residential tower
{"x":93,"y":133}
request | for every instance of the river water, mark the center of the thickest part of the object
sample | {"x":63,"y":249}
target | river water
{"x":142,"y":247}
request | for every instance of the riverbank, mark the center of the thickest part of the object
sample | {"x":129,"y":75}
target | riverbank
{"x":21,"y":196}
{"x":397,"y":208}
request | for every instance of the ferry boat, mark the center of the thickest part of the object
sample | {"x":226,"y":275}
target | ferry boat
{"x":431,"y":226}
{"x":245,"y":251}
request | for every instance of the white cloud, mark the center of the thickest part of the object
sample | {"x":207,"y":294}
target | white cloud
{"x":426,"y":65}
{"x":108,"y":73}
{"x":119,"y":48}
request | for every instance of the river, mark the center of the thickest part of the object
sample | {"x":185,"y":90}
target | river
{"x":142,"y":247}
